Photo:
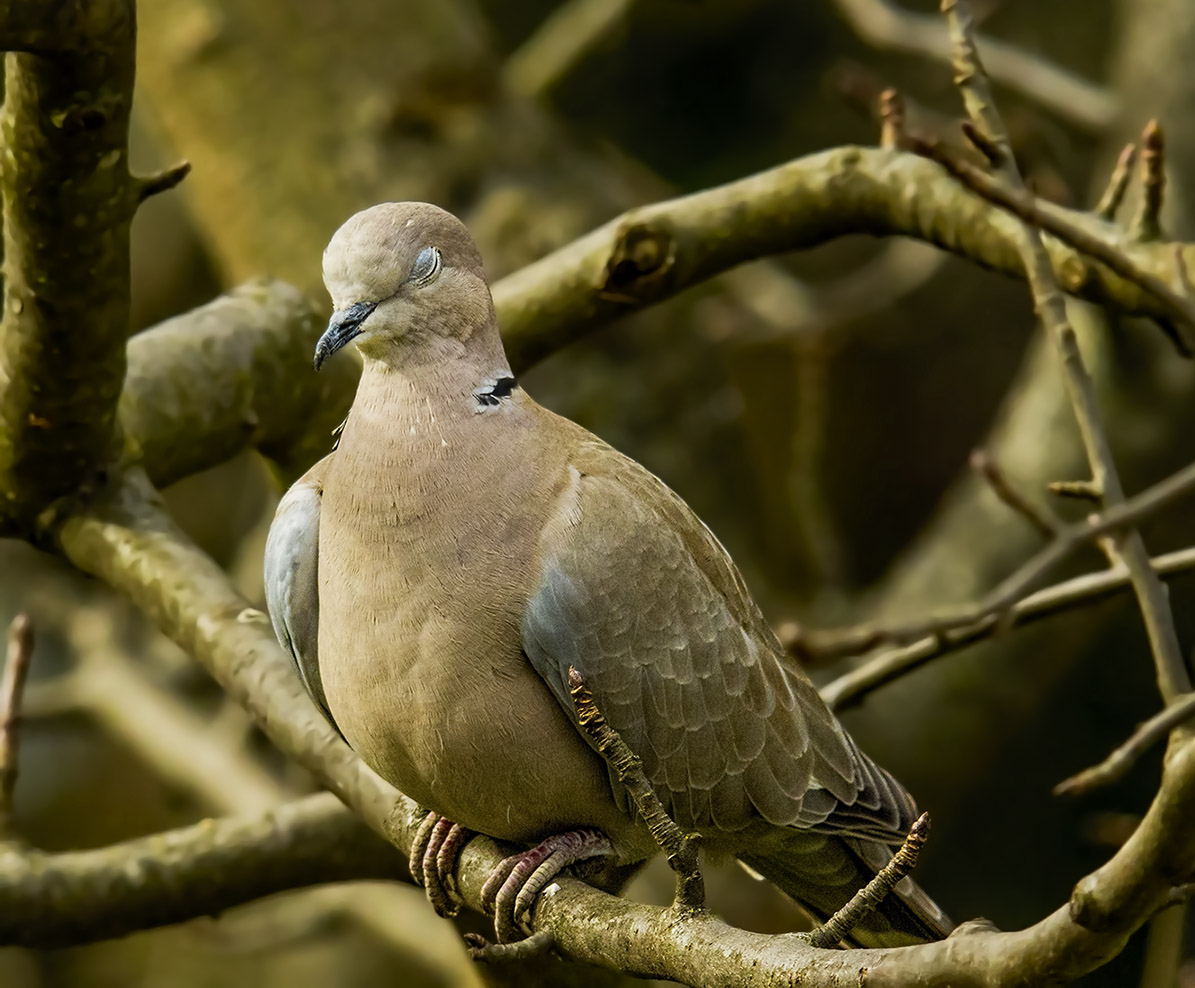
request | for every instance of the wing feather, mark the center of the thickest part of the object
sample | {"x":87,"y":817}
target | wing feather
{"x":639,"y":596}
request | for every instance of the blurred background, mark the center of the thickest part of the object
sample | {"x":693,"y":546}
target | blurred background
{"x":817,"y":411}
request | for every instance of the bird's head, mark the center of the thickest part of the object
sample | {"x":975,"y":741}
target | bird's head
{"x":407,"y":285}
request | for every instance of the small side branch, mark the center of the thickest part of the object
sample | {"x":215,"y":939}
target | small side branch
{"x":18,"y":656}
{"x":864,"y":902}
{"x":680,"y":847}
{"x":1046,"y":525}
{"x":1118,"y":183}
{"x":1147,"y":223}
{"x":1122,"y":759}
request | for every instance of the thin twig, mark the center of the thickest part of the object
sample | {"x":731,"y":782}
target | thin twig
{"x":852,"y":687}
{"x":887,"y":25}
{"x":1173,"y":678}
{"x":1024,"y":204}
{"x":867,"y":899}
{"x":679,"y":847}
{"x":1080,"y":490}
{"x":1121,"y":760}
{"x":18,"y":654}
{"x":162,"y":181}
{"x":1046,"y":525}
{"x":1118,"y":183}
{"x":892,"y":118}
{"x":1001,"y":600}
{"x":1147,"y":223}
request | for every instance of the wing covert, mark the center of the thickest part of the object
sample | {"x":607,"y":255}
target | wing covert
{"x":644,"y":602}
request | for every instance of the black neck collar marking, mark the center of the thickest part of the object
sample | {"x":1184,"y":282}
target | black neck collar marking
{"x":492,"y":392}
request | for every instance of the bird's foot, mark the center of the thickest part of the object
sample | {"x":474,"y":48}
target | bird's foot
{"x":512,"y":888}
{"x":434,"y":854}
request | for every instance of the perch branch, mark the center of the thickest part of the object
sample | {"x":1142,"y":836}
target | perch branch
{"x":68,"y":201}
{"x":123,"y":537}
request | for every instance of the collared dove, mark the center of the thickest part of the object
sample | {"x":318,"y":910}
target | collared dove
{"x":463,"y":547}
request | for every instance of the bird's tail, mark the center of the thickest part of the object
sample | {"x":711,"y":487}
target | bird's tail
{"x":821,"y":872}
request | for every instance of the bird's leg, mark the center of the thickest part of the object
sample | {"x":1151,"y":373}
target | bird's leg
{"x":434,"y":853}
{"x":512,"y":888}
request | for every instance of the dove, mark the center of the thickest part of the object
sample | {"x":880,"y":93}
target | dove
{"x":437,"y":575}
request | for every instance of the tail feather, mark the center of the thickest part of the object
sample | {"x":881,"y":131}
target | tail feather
{"x":821,"y":872}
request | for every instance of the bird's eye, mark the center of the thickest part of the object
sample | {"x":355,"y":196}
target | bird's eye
{"x":427,"y":266}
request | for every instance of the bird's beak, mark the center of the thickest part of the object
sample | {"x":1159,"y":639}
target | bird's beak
{"x":344,"y":325}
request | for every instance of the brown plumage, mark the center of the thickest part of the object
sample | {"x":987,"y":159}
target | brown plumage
{"x":472,"y":545}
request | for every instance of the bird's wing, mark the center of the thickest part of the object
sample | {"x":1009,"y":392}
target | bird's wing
{"x":641,"y":598}
{"x":292,"y":577}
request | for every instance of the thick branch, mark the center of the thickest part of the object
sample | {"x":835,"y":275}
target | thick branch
{"x":68,"y":202}
{"x":232,"y":374}
{"x":127,"y":540}
{"x":53,"y":900}
{"x":651,"y":253}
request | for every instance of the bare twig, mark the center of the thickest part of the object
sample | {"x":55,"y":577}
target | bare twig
{"x":1147,"y":225}
{"x":1118,"y":183}
{"x":1080,"y":490}
{"x":886,"y":25}
{"x":1173,"y":678}
{"x":892,"y":118}
{"x":679,"y":847}
{"x":868,"y":899}
{"x":163,"y":181}
{"x":18,"y":655}
{"x":1122,"y":759}
{"x":990,"y":470}
{"x":852,"y":687}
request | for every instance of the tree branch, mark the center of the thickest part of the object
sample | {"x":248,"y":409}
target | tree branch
{"x":851,"y":688}
{"x":68,"y":201}
{"x":229,"y":375}
{"x":886,"y":25}
{"x":651,"y":253}
{"x":1173,"y":677}
{"x":124,"y":538}
{"x":56,"y":900}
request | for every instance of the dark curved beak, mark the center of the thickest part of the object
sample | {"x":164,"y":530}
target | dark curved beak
{"x":344,"y":325}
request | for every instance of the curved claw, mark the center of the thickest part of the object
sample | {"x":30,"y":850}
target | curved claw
{"x":512,"y":888}
{"x":433,"y":860}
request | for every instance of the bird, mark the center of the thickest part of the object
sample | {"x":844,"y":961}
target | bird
{"x":436,"y":577}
